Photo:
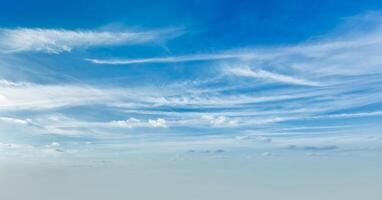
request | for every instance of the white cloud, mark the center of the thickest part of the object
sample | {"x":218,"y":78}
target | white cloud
{"x":129,"y":123}
{"x":230,"y":100}
{"x":257,"y":138}
{"x":352,"y":115}
{"x":29,"y":96}
{"x":54,"y":144}
{"x":135,"y":123}
{"x":15,"y":96}
{"x":333,"y":54}
{"x":162,"y":123}
{"x":3,"y":100}
{"x":60,"y":40}
{"x":6,"y":83}
{"x":242,"y":137}
{"x":187,"y":58}
{"x":319,"y":49}
{"x":16,"y":121}
{"x":248,"y":72}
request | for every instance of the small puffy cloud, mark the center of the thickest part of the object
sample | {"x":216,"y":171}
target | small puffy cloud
{"x":54,"y":147}
{"x":130,"y":123}
{"x":158,"y":123}
{"x":134,"y":123}
{"x":55,"y":144}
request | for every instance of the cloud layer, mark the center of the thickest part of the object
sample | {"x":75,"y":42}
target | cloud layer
{"x":310,"y":94}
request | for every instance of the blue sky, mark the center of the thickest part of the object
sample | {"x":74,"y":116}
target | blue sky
{"x":273,"y":77}
{"x":190,"y":100}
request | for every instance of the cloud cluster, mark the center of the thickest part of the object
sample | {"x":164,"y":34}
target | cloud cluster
{"x":134,"y":123}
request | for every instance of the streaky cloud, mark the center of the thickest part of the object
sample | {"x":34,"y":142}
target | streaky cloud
{"x":248,"y":72}
{"x":352,"y":115}
{"x":16,"y":121}
{"x":174,"y":59}
{"x":56,"y":41}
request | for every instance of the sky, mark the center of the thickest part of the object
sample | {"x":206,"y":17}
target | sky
{"x":180,"y":89}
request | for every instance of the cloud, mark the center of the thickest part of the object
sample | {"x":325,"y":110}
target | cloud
{"x":248,"y":72}
{"x":313,"y":148}
{"x":16,"y":121}
{"x":135,"y":123}
{"x":353,"y":115}
{"x":30,"y":96}
{"x":162,"y":123}
{"x":26,"y":95}
{"x":257,"y":138}
{"x":333,"y":54}
{"x":56,"y":41}
{"x":19,"y":96}
{"x":55,"y":144}
{"x":6,"y":83}
{"x":219,"y":120}
{"x":342,"y":74}
{"x":175,"y":59}
{"x":3,"y":100}
{"x":242,"y":137}
{"x":129,"y":123}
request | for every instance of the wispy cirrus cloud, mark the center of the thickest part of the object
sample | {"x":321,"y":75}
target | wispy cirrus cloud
{"x":25,"y":95}
{"x":329,"y":55}
{"x":175,"y":59}
{"x":16,"y":121}
{"x":319,"y":83}
{"x":248,"y":72}
{"x":56,"y":41}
